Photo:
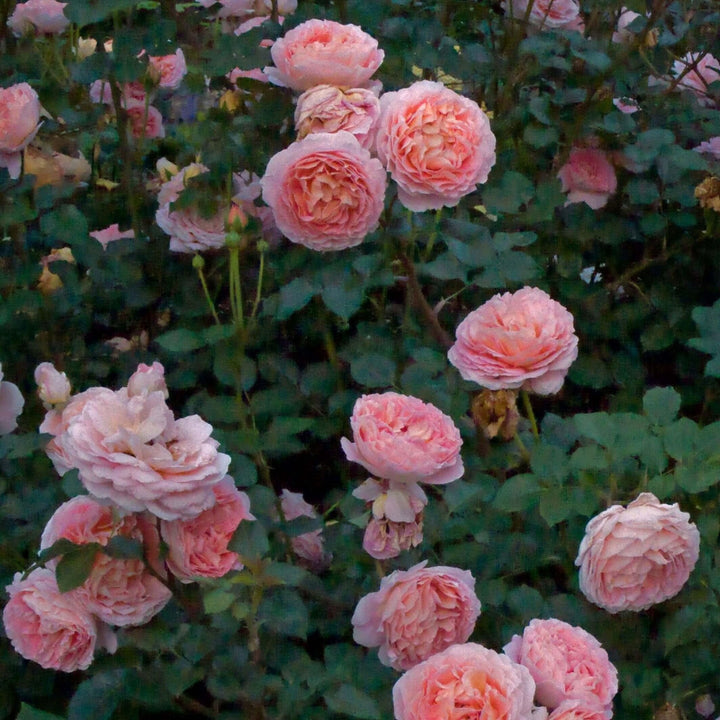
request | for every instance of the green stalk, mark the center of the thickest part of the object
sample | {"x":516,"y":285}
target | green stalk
{"x":530,"y":414}
{"x":199,"y":263}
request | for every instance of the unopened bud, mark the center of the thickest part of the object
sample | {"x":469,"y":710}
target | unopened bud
{"x":237,"y":218}
{"x":198,"y":262}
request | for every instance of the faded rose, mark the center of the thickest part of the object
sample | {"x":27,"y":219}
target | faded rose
{"x":384,"y":538}
{"x":171,"y":68}
{"x":437,"y":145}
{"x":546,"y":14}
{"x":399,"y":437}
{"x":589,"y":177}
{"x":111,"y":234}
{"x":465,"y":681}
{"x":53,"y":386}
{"x":11,"y":405}
{"x":632,"y":558}
{"x":319,"y":52}
{"x":523,"y":340}
{"x":697,"y":71}
{"x":566,"y":662}
{"x":310,"y":546}
{"x":417,"y":613}
{"x":42,"y":17}
{"x":325,"y":191}
{"x":578,"y":710}
{"x":19,"y":122}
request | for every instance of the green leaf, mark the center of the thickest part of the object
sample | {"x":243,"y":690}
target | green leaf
{"x":661,"y":405}
{"x":518,"y":493}
{"x":284,"y":612}
{"x":250,"y":540}
{"x":373,"y":370}
{"x":218,"y":600}
{"x":459,"y":493}
{"x":344,"y":298}
{"x":97,"y":698}
{"x":181,"y":340}
{"x":589,"y":457}
{"x":680,"y":437}
{"x":27,"y":712}
{"x":549,"y":462}
{"x":124,"y":548}
{"x":556,"y":505}
{"x":512,"y":191}
{"x":294,"y":296}
{"x":74,"y":567}
{"x":348,"y":700}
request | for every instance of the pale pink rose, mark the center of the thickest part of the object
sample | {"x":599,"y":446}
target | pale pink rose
{"x":516,"y":340}
{"x":545,"y":14}
{"x":247,"y":189}
{"x":632,"y":558}
{"x":19,"y":123}
{"x":711,"y":146}
{"x":579,"y":710}
{"x":588,"y":176}
{"x":627,"y":106}
{"x":101,"y":92}
{"x":255,"y":74}
{"x":325,"y":191}
{"x":437,"y":145}
{"x":11,"y":405}
{"x":53,"y":386}
{"x":704,"y":705}
{"x":198,"y":547}
{"x":310,"y":546}
{"x":46,"y":626}
{"x":320,"y":52}
{"x":41,"y":17}
{"x":285,"y":7}
{"x":80,"y":520}
{"x":417,"y":613}
{"x":235,"y":8}
{"x":326,"y":108}
{"x":622,"y":34}
{"x":566,"y":662}
{"x":384,"y":539}
{"x":131,"y":92}
{"x":147,"y":379}
{"x":698,"y":71}
{"x":392,"y":499}
{"x":465,"y":681}
{"x":111,"y":234}
{"x":399,"y":437}
{"x":171,"y":68}
{"x":145,"y":121}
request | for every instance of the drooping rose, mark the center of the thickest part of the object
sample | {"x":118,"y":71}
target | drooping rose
{"x":465,"y":681}
{"x":578,"y":710}
{"x":53,"y":386}
{"x":632,"y":558}
{"x":523,"y":340}
{"x":320,"y":52}
{"x":417,"y":613}
{"x":111,"y":234}
{"x":385,"y":539}
{"x":247,"y":189}
{"x":589,"y":177}
{"x":697,"y":71}
{"x":310,"y":546}
{"x":399,"y":437}
{"x":11,"y":405}
{"x":198,"y":547}
{"x":325,"y":191}
{"x":171,"y":68}
{"x":41,"y":17}
{"x":19,"y":123}
{"x":437,"y":145}
{"x":566,"y":662}
{"x":546,"y":14}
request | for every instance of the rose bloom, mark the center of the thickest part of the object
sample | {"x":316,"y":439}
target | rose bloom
{"x":589,"y":177}
{"x":702,"y":71}
{"x":171,"y":68}
{"x":11,"y":405}
{"x":309,"y":547}
{"x":111,"y":234}
{"x":627,"y":106}
{"x":622,"y":34}
{"x":145,"y":121}
{"x":399,"y":437}
{"x":546,"y":14}
{"x":437,"y":145}
{"x":385,"y":539}
{"x":49,"y":627}
{"x":515,"y":340}
{"x":319,"y":52}
{"x":465,"y":681}
{"x":711,"y":146}
{"x":53,"y":386}
{"x":632,"y":558}
{"x":566,"y":662}
{"x":326,"y":108}
{"x":325,"y":191}
{"x":42,"y":17}
{"x":417,"y":613}
{"x":198,"y":547}
{"x":19,"y":123}
{"x":577,"y":710}
{"x":147,"y":379}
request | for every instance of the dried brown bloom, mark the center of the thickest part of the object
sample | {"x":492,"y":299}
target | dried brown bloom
{"x":708,"y":193}
{"x":495,"y":412}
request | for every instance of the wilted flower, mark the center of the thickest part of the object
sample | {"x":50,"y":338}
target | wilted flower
{"x":309,"y":547}
{"x":495,"y":413}
{"x":708,"y":193}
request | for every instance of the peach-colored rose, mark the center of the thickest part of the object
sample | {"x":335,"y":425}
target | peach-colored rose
{"x":198,"y":547}
{"x":320,"y":52}
{"x":578,"y":710}
{"x":465,"y":681}
{"x":111,"y":234}
{"x":53,"y":386}
{"x":563,"y":14}
{"x":698,"y":71}
{"x":325,"y":191}
{"x":11,"y":405}
{"x":19,"y":123}
{"x":46,"y":626}
{"x":147,"y":379}
{"x":622,"y":34}
{"x":632,"y":558}
{"x":566,"y":662}
{"x":42,"y":17}
{"x":171,"y":68}
{"x":589,"y":177}
{"x":326,"y":108}
{"x":437,"y":145}
{"x":515,"y":340}
{"x":399,"y":437}
{"x":417,"y":613}
{"x":310,"y":546}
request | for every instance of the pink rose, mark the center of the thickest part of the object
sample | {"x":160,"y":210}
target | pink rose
{"x":578,"y":710}
{"x":145,"y":121}
{"x":47,"y":626}
{"x":53,"y":386}
{"x":147,"y":379}
{"x":198,"y":547}
{"x":697,"y":71}
{"x":465,"y":681}
{"x":247,"y":189}
{"x":622,"y":34}
{"x":111,"y":234}
{"x":711,"y":146}
{"x":399,"y":437}
{"x":398,"y":501}
{"x":309,"y":547}
{"x":19,"y":122}
{"x":326,"y":108}
{"x":417,"y":613}
{"x":11,"y":405}
{"x":589,"y":177}
{"x":319,"y":52}
{"x":171,"y":68}
{"x":385,"y":539}
{"x":566,"y":662}
{"x":546,"y":14}
{"x":632,"y":558}
{"x":627,"y":106}
{"x":42,"y":17}
{"x":437,"y":145}
{"x":515,"y":340}
{"x":325,"y":191}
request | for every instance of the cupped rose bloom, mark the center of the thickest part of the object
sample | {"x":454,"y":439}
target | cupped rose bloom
{"x":515,"y":340}
{"x":465,"y":681}
{"x":19,"y":123}
{"x":198,"y":547}
{"x":437,"y":145}
{"x":588,"y":176}
{"x":310,"y":546}
{"x":326,"y":108}
{"x":566,"y":662}
{"x":546,"y":14}
{"x":632,"y":558}
{"x":417,"y":613}
{"x":147,"y":379}
{"x":11,"y":405}
{"x":49,"y":627}
{"x":385,"y":539}
{"x":171,"y":68}
{"x":325,"y":191}
{"x":399,"y":437}
{"x":111,"y":234}
{"x":319,"y":52}
{"x":41,"y":17}
{"x":622,"y":34}
{"x":578,"y":710}
{"x":697,"y":71}
{"x":53,"y":386}
{"x":144,"y":121}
